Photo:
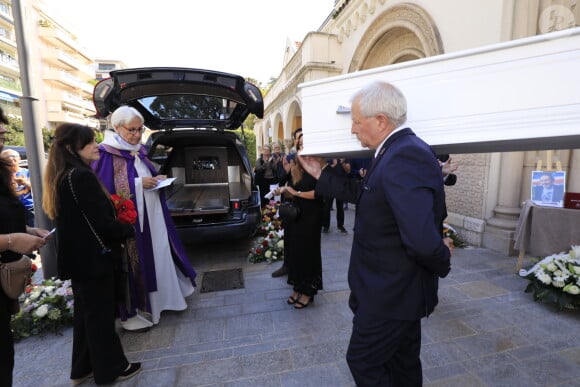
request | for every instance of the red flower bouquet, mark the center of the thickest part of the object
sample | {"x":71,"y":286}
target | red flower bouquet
{"x":126,"y":212}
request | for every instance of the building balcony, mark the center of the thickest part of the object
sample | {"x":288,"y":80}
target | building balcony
{"x":88,"y":108}
{"x":10,"y":110}
{"x":8,"y":41}
{"x":56,"y":118}
{"x":86,"y":73}
{"x":10,"y":87}
{"x":6,"y":13}
{"x":87,"y":88}
{"x":71,"y":101}
{"x":313,"y":60}
{"x":66,"y":116}
{"x":60,"y":39}
{"x":63,"y":78}
{"x":60,"y":59}
{"x":9,"y":66}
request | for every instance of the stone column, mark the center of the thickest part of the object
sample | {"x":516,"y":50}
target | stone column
{"x":499,"y":229}
{"x":574,"y":172}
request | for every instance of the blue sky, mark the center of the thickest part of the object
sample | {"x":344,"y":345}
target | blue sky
{"x":245,"y":37}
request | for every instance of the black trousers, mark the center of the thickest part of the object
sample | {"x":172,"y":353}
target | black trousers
{"x":6,"y":342}
{"x":386,"y":354}
{"x":96,"y":345}
{"x":339,"y":212}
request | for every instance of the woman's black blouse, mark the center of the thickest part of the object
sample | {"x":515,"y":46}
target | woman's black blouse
{"x":12,"y":220}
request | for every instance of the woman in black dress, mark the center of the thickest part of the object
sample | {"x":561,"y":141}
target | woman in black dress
{"x":89,"y":238}
{"x":302,"y":236}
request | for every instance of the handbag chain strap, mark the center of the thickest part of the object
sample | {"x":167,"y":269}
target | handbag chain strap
{"x":105,"y":248}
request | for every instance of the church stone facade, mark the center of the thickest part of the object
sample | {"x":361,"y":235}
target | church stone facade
{"x":484,"y":205}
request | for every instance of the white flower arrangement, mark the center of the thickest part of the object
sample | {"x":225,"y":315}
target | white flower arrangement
{"x":45,"y":307}
{"x":269,"y":249}
{"x":556,"y":278}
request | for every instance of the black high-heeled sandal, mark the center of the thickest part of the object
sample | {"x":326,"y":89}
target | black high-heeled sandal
{"x":292,"y":299}
{"x":300,"y":305}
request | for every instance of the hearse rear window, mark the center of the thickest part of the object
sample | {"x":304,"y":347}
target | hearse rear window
{"x":183,"y":107}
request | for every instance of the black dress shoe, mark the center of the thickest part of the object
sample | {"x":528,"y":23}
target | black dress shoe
{"x":131,"y":371}
{"x":325,"y":230}
{"x":280,"y":272}
{"x":343,"y":230}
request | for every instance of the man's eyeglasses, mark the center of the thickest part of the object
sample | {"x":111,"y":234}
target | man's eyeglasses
{"x":134,"y":130}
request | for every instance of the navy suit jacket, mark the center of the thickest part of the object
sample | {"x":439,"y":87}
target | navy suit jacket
{"x":398,"y":252}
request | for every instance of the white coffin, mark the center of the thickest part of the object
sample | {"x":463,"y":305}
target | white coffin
{"x":517,"y":95}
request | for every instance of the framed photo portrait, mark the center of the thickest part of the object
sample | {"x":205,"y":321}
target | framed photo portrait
{"x":548,"y":188}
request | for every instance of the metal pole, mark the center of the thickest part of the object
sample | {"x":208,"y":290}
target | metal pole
{"x":34,"y":146}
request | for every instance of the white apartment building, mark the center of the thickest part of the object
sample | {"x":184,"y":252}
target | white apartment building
{"x":64,"y":69}
{"x":61,"y":69}
{"x":10,"y":88}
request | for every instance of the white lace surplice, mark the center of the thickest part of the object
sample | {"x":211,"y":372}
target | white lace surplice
{"x":172,"y":285}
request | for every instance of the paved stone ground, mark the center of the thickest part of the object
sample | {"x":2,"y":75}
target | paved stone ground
{"x":485,"y":332}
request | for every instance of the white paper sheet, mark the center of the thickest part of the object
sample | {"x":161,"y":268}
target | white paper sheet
{"x":163,"y":183}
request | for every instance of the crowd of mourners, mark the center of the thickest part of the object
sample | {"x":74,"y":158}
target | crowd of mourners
{"x":134,"y":266}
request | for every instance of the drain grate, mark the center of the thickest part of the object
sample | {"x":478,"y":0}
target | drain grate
{"x":214,"y":281}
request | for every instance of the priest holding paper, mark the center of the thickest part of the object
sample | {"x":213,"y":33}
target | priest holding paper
{"x":159,"y":271}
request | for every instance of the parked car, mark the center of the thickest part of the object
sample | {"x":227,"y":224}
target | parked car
{"x":190,"y":113}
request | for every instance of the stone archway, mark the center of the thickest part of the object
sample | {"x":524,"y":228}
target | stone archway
{"x":294,"y":121}
{"x":259,"y":131}
{"x":279,"y":133}
{"x":403,"y":32}
{"x":276,"y":128}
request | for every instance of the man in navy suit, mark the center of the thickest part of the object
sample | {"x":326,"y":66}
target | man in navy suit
{"x":398,"y":252}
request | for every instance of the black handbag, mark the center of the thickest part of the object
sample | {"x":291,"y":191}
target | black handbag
{"x":288,"y":211}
